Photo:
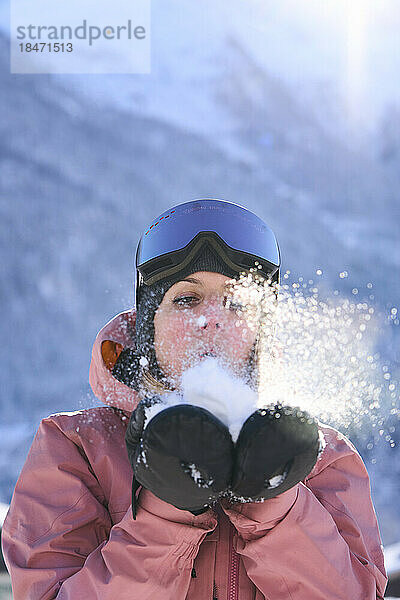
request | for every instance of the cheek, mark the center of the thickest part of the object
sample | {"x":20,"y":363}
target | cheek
{"x":169,"y":328}
{"x":173,"y":335}
{"x":239,"y":339}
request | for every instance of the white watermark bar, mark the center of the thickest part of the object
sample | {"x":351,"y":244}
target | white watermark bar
{"x":80,"y":36}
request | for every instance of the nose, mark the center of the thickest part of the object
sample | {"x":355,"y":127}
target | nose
{"x":207,"y":323}
{"x":211,"y":318}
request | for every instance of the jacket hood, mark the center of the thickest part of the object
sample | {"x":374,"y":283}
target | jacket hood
{"x":119,"y":330}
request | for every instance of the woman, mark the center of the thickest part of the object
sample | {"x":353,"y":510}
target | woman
{"x":78,"y":528}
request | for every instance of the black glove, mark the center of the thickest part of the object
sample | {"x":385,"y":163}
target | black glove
{"x":183,"y":455}
{"x":276,"y":448}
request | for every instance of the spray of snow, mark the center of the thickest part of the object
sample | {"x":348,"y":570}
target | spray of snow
{"x":327,"y":364}
{"x":315,"y":354}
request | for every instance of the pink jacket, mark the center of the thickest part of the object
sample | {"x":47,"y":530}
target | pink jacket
{"x":70,"y":535}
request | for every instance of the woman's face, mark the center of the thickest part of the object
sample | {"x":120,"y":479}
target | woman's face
{"x":198,"y":317}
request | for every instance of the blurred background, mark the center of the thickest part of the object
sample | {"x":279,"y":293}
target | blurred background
{"x":291,"y":109}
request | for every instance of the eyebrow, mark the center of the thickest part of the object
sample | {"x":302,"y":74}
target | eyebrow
{"x":191,"y":280}
{"x":195,"y":280}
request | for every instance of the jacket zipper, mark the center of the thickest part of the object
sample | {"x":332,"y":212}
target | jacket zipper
{"x":215,"y":593}
{"x":233,"y":588}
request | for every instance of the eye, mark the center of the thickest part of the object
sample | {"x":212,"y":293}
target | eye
{"x":236,"y":306}
{"x":231,"y":305}
{"x":185,"y":300}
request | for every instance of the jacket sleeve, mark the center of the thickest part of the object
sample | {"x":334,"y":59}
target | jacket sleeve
{"x":59,"y":542}
{"x":319,"y":540}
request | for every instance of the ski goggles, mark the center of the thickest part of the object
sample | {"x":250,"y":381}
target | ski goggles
{"x":239,"y":237}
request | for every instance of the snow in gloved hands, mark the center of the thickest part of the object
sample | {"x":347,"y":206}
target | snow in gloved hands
{"x":210,"y":386}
